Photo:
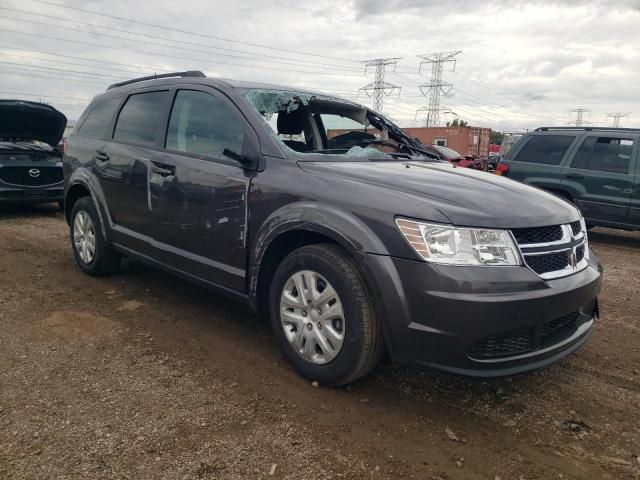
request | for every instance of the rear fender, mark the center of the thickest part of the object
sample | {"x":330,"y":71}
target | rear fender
{"x":83,"y":177}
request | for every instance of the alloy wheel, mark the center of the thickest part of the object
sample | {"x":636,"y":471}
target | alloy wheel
{"x":84,"y":237}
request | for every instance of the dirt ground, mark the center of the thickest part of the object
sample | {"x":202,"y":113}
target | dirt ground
{"x":144,"y":376}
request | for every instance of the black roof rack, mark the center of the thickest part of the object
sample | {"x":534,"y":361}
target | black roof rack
{"x":587,"y":129}
{"x":188,"y":73}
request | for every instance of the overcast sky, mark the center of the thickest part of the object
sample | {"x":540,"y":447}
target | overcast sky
{"x":523,"y":64}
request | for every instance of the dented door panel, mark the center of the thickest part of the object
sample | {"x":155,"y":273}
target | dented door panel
{"x":200,"y":217}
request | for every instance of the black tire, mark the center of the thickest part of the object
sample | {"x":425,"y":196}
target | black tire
{"x":362,"y":346}
{"x":105,"y":260}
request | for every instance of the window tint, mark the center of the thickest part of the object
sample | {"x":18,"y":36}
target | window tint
{"x":547,"y":149}
{"x":98,"y":118}
{"x":140,"y":118}
{"x":202,"y":124}
{"x":605,"y":154}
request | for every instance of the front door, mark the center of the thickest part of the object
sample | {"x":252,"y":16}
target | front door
{"x":601,"y":176}
{"x":198,"y":191}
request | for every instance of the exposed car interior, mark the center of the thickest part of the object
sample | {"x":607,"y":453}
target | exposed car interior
{"x":310,"y":124}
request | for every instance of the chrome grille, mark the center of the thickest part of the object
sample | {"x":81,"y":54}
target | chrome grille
{"x":553,"y":251}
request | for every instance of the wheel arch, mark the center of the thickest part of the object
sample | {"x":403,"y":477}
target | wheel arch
{"x":75,"y":193}
{"x":82,"y":184}
{"x":300,"y":224}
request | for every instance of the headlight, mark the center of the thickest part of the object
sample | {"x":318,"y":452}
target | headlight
{"x":451,"y":245}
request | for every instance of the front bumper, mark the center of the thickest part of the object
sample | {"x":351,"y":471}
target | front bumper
{"x":25,"y":194}
{"x":481,"y":321}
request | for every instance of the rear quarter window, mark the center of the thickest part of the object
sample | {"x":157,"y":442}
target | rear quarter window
{"x":544,"y":149}
{"x":604,"y":154}
{"x":98,"y":118}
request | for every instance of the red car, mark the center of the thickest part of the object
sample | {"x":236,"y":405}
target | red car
{"x":467,"y":161}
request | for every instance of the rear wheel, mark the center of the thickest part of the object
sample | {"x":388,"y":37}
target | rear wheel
{"x":323,"y":317}
{"x":92,"y":252}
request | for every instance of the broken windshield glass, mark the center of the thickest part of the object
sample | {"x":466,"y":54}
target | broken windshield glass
{"x":307,"y":122}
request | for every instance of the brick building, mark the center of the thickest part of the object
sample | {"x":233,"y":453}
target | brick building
{"x":464,"y":140}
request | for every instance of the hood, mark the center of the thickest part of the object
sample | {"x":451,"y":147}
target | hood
{"x":26,"y":121}
{"x":436,"y":191}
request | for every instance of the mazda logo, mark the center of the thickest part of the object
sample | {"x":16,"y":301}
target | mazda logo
{"x":34,"y":172}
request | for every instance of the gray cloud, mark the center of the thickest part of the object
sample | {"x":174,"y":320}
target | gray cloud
{"x":364,"y":8}
{"x":523,"y":63}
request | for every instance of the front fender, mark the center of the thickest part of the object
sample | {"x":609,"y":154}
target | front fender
{"x":342,"y":227}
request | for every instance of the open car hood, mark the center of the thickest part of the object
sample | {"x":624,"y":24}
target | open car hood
{"x":26,"y":121}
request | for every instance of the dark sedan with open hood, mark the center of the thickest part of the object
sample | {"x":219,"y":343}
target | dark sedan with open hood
{"x":30,"y":162}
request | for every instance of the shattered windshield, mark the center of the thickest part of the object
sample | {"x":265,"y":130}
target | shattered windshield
{"x":315,"y":123}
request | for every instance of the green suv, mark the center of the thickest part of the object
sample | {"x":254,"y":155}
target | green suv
{"x":596,"y":168}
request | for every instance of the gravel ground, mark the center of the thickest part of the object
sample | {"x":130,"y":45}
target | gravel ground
{"x":143,"y":376}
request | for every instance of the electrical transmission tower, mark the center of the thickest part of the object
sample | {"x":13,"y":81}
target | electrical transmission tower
{"x":579,"y":121}
{"x":616,"y":118}
{"x":436,"y":86}
{"x":378,"y":89}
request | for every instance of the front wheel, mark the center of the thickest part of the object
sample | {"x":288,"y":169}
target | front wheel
{"x":323,"y":316}
{"x":93,"y":254}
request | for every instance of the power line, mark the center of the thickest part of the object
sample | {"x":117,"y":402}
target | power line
{"x":166,"y":55}
{"x":502,"y":94}
{"x":378,"y":89}
{"x":436,"y":86}
{"x":63,"y":70}
{"x":306,"y":63}
{"x":54,"y":77}
{"x":456,"y":89}
{"x":57,"y":54}
{"x":616,"y":117}
{"x":62,"y":62}
{"x":187,"y":32}
{"x":39,"y":95}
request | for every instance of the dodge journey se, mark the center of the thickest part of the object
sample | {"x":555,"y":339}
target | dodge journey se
{"x":328,"y":217}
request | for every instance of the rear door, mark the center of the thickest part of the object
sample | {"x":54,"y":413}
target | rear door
{"x":634,"y":210}
{"x":122,"y":165}
{"x":538,"y":158}
{"x":198,"y":191}
{"x":600,"y":175}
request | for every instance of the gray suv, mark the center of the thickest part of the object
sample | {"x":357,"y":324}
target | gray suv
{"x":330,"y":218}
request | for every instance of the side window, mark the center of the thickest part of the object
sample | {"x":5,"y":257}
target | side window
{"x":546,"y":149}
{"x":140,"y":118}
{"x":203,"y":125}
{"x":605,"y":154}
{"x":98,"y":119}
